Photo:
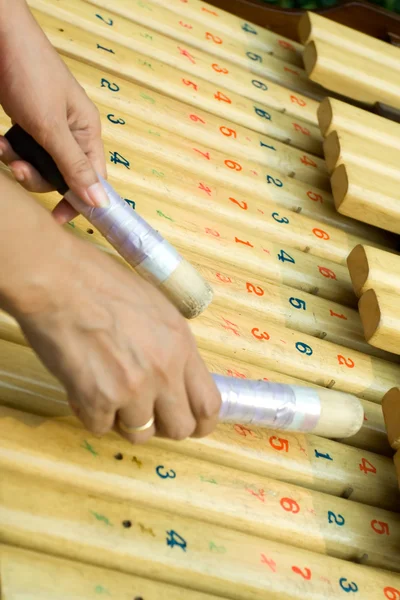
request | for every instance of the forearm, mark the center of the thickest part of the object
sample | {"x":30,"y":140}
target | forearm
{"x":33,"y":251}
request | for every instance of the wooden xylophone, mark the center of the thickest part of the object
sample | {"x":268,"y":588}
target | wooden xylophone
{"x":211,"y":134}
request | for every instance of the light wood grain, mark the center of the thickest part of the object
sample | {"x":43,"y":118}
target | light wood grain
{"x":380,"y":316}
{"x":373,"y":268}
{"x":391,"y":415}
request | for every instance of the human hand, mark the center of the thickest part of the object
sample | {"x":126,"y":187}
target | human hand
{"x":120,"y":349}
{"x":40,"y":94}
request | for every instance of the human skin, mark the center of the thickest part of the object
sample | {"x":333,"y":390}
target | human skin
{"x":119,"y":347}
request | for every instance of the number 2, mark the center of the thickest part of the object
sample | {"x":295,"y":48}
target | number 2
{"x":107,"y":22}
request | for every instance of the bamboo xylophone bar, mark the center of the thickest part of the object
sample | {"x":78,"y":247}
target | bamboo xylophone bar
{"x":234,"y":27}
{"x":66,"y":455}
{"x":391,"y":413}
{"x":334,"y":115}
{"x":366,"y":198}
{"x":123,"y":61}
{"x":380,"y":316}
{"x":313,"y":26}
{"x":374,"y":268}
{"x":194,"y":37}
{"x":33,"y":575}
{"x":172,"y":548}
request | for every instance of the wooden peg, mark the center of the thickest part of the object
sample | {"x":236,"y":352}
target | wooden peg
{"x":368,"y":198}
{"x":391,"y":415}
{"x":380,"y":316}
{"x":374,"y":268}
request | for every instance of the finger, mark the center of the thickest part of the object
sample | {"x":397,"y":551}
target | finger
{"x":204,"y":397}
{"x":29,"y":178}
{"x":64,"y":213}
{"x":7,"y":154}
{"x":175,"y":419}
{"x":76,"y":167}
{"x":93,"y":416}
{"x":137,"y":413}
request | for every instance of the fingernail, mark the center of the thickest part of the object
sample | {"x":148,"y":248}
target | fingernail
{"x":98,"y":196}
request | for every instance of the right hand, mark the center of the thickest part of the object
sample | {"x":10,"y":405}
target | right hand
{"x":121,"y":350}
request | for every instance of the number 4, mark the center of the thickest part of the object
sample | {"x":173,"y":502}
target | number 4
{"x":366,"y":466}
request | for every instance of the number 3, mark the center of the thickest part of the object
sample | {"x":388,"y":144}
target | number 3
{"x":169,"y":475}
{"x":352,"y":587}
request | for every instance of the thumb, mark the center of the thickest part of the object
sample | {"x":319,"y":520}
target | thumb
{"x":76,"y":168}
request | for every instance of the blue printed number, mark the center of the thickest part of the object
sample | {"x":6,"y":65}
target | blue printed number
{"x":259,"y":84}
{"x":168,"y":475}
{"x":106,"y":49}
{"x":276,"y":181}
{"x":275,"y":216}
{"x":130,"y":202}
{"x":297,"y":303}
{"x":174,"y":539}
{"x":116,"y":157}
{"x":249,"y":29}
{"x":285,"y":257}
{"x":266,"y":146}
{"x":351,"y":587}
{"x":319,"y":455}
{"x":107,"y":22}
{"x":262,"y":113}
{"x":304,"y":348}
{"x":111,"y":86}
{"x":254,"y":56}
{"x":338,"y":519}
{"x":113,"y":119}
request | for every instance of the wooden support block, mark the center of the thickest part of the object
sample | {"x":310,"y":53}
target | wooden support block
{"x":334,"y":115}
{"x":313,"y":26}
{"x":359,"y":195}
{"x":165,"y":22}
{"x":391,"y":415}
{"x":374,"y":268}
{"x":376,"y":161}
{"x":397,"y":465}
{"x":194,"y":64}
{"x":380,"y":316}
{"x":252,"y":35}
{"x":178,"y":550}
{"x":355,"y":76}
{"x":37,"y":576}
{"x":68,"y":457}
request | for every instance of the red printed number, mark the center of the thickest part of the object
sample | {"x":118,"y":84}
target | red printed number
{"x":391,"y":593}
{"x":209,"y":11}
{"x":327,"y":273}
{"x":205,"y":188}
{"x":205,"y":154}
{"x":219,"y":69}
{"x":279,"y":444}
{"x":315,"y":197}
{"x":380,"y":527}
{"x":258,"y":335}
{"x":234,"y":373}
{"x":254,"y":289}
{"x":345,"y":361}
{"x":242,"y":430}
{"x":231,"y":164}
{"x":214,"y":38}
{"x":244,"y":243}
{"x":306,"y":573}
{"x":290,"y":505}
{"x":268,"y":561}
{"x":286,"y":45}
{"x":185,"y":25}
{"x":241,"y":203}
{"x":228,"y":132}
{"x":212,"y":232}
{"x":197,"y":119}
{"x":191,"y":83}
{"x":222,"y":98}
{"x":321,"y":234}
{"x":333,"y":314}
{"x":366,"y":466}
{"x":297,"y":100}
{"x":308,"y":161}
{"x":302,"y":130}
{"x":223,"y":278}
{"x":231,"y":326}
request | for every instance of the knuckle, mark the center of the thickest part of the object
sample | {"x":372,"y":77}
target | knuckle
{"x":209,"y":408}
{"x":181,"y":431}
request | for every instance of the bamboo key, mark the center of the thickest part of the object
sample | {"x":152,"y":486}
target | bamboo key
{"x":313,"y":26}
{"x":121,"y":60}
{"x":287,"y":456}
{"x":198,"y":36}
{"x":367,"y":197}
{"x":374,"y":268}
{"x":340,"y":116}
{"x":377,"y":161}
{"x":179,"y":117}
{"x":380,"y":316}
{"x":174,"y":549}
{"x":391,"y":414}
{"x":362,"y":79}
{"x":237,"y":29}
{"x":66,"y":456}
{"x":33,"y":575}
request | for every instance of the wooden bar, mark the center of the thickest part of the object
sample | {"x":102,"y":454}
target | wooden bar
{"x":373,"y":268}
{"x":238,"y":29}
{"x":365,"y":197}
{"x":168,"y":547}
{"x":33,"y":575}
{"x":167,"y":23}
{"x":313,"y":26}
{"x":391,"y":414}
{"x":334,"y":115}
{"x":380,"y":316}
{"x":234,"y":500}
{"x":358,"y":77}
{"x":192,"y":62}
